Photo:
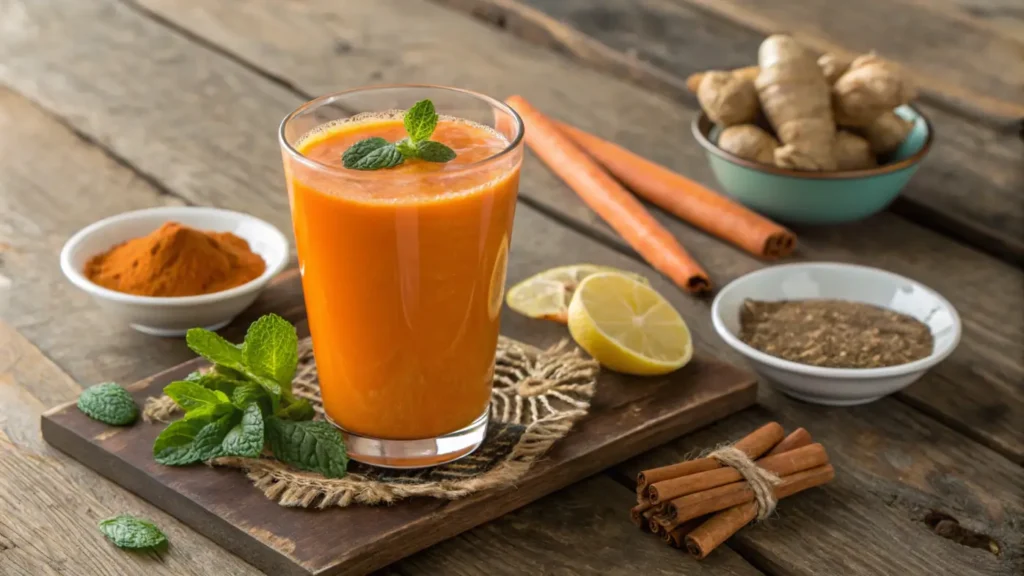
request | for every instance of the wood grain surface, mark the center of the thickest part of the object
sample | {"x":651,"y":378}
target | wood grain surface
{"x":658,"y":43}
{"x":187,"y":95}
{"x":978,"y":390}
{"x":628,"y":415}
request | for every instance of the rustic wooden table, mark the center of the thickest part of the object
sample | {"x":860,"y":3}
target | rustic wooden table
{"x":114,"y":105}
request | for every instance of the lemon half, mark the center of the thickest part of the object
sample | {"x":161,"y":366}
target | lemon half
{"x":547,"y":295}
{"x":628,"y":327}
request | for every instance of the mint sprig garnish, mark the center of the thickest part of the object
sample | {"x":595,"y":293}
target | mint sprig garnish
{"x":108,"y":403}
{"x":132,"y":533}
{"x":377,"y":153}
{"x":246,"y":402}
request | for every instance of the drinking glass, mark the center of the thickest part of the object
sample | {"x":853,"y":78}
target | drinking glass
{"x":403,"y":269}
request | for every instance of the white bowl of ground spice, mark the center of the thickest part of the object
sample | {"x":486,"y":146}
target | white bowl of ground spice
{"x":165,"y":270}
{"x":836,"y":334}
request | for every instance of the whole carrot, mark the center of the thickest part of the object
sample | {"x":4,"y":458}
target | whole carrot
{"x":620,"y":209}
{"x":687,"y":199}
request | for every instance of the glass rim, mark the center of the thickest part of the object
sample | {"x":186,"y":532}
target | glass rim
{"x":320,"y":100}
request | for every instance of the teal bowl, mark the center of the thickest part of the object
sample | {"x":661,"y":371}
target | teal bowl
{"x":799,"y":197}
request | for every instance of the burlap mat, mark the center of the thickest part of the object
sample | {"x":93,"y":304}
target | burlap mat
{"x":537,"y":396}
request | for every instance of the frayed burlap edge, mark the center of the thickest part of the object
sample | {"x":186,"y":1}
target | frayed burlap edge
{"x":293,"y":488}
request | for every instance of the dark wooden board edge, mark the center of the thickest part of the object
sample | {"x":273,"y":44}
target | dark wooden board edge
{"x":651,"y":421}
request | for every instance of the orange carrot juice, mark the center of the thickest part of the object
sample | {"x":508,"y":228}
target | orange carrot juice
{"x":403,"y":271}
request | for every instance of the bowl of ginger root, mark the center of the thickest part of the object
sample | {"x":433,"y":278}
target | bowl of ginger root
{"x":811,"y":140}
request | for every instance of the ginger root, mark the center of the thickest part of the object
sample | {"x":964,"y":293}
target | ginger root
{"x":797,"y":102}
{"x":853,"y":152}
{"x":886,"y":132}
{"x":746,"y":73}
{"x":871,"y":87}
{"x":727,"y":98}
{"x":750,"y":142}
{"x":833,"y":66}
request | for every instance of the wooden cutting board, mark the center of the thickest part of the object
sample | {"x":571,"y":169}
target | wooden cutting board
{"x":628,"y":416}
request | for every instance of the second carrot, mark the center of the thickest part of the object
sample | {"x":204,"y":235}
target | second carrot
{"x":616,"y":205}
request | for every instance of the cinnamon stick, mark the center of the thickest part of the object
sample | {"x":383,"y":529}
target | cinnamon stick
{"x":796,"y":439}
{"x":722,"y":497}
{"x":636,"y":513}
{"x":676,"y":537}
{"x":687,"y":199}
{"x":783,"y":464}
{"x":720,"y":527}
{"x":753,"y":445}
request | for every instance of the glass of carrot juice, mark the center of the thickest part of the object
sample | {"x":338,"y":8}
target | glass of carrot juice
{"x":403,"y":267}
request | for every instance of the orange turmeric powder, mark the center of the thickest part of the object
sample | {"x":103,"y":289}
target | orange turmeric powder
{"x":176,"y":261}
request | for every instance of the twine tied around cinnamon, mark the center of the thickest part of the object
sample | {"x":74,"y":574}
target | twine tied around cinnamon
{"x":762,"y":482}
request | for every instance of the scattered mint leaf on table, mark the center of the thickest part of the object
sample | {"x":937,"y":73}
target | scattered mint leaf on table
{"x":245,"y":438}
{"x":314,"y":445}
{"x":108,"y":403}
{"x":271,"y":349}
{"x":377,"y":153}
{"x":132,"y":533}
{"x":420,"y":120}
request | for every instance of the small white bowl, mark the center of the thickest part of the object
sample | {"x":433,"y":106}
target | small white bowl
{"x":837,"y":386}
{"x":173,"y":316}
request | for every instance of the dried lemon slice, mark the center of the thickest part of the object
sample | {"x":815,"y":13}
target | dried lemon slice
{"x":547,"y":295}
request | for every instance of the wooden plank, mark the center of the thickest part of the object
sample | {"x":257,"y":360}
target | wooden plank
{"x":49,"y":504}
{"x":322,"y":46}
{"x":979,"y":390}
{"x":534,"y":540}
{"x":627,"y":416}
{"x":968,"y":186}
{"x":951,"y":57}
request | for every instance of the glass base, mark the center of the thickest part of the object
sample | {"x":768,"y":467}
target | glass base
{"x":403,"y":454}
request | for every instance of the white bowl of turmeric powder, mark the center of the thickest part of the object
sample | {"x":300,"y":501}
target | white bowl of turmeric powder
{"x":165,"y":270}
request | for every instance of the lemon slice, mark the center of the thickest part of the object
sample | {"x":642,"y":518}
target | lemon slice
{"x":547,"y":295}
{"x":628,"y":327}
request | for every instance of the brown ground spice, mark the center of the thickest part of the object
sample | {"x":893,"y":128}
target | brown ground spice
{"x":834,"y":333}
{"x":176,"y":261}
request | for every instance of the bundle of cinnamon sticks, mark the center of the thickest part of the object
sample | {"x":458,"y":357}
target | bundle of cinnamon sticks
{"x":700,"y":503}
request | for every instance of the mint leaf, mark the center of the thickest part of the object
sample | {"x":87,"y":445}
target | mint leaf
{"x":314,"y":445}
{"x":271,"y":349}
{"x":245,"y":438}
{"x":421,"y":120}
{"x":228,"y":356}
{"x":251,"y":393}
{"x":297,"y":410}
{"x":132,"y":533}
{"x":173,"y":447}
{"x":210,"y":411}
{"x":108,"y":403}
{"x":407,"y":148}
{"x":190,"y":395}
{"x":384,"y":157}
{"x":216,"y":380}
{"x":217,"y":350}
{"x":358,"y":151}
{"x":207,"y":444}
{"x":435,"y":152}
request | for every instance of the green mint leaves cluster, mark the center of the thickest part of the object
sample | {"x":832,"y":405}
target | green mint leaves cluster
{"x":108,"y":403}
{"x":245,"y":403}
{"x":377,"y":153}
{"x":132,"y":533}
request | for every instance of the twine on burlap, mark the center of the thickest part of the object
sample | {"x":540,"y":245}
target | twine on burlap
{"x":537,"y":397}
{"x":761,"y":481}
